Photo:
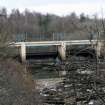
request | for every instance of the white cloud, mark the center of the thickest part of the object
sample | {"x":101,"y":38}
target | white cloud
{"x":64,"y":9}
{"x":56,"y":7}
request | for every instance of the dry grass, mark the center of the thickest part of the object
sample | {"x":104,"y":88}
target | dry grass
{"x":16,"y":85}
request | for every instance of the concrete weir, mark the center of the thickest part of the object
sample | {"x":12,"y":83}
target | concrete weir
{"x":61,"y":51}
{"x":61,"y":46}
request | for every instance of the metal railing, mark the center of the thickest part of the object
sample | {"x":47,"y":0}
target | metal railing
{"x":50,"y":37}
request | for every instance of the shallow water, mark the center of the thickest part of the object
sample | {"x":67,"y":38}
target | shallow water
{"x":43,"y":69}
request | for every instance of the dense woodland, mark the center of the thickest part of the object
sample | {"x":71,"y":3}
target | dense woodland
{"x":36,"y":24}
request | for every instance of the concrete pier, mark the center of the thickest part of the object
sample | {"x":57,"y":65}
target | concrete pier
{"x":23,"y":52}
{"x":62,"y":50}
{"x":99,"y":48}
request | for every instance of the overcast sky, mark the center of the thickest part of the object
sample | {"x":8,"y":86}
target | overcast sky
{"x":59,"y":7}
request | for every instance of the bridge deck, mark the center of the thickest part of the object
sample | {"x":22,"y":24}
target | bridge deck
{"x":56,"y":43}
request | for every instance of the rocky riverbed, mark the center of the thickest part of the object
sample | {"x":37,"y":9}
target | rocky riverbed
{"x":83,"y":84}
{"x":47,"y":83}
